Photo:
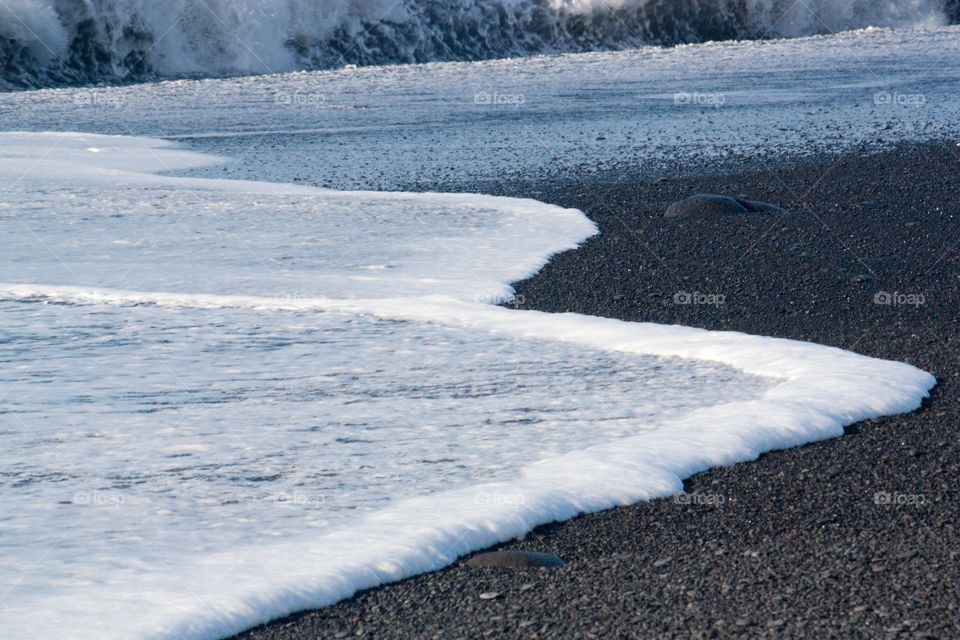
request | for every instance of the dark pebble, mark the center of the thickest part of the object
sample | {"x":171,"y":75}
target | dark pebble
{"x":709,"y":204}
{"x":515,"y":559}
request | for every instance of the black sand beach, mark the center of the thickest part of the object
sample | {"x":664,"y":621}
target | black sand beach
{"x":800,"y":543}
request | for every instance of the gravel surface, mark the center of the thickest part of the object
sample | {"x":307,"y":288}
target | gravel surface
{"x":850,"y":538}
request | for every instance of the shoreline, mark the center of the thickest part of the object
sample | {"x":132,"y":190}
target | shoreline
{"x":828,"y":539}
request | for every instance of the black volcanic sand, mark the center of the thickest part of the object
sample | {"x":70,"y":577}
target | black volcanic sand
{"x":793,"y":545}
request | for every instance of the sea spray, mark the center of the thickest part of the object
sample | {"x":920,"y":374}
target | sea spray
{"x":64,"y":42}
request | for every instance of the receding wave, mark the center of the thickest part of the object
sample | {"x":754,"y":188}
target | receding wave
{"x":65,"y":42}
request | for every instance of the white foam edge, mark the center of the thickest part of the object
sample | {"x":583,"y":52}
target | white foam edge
{"x":820,"y":390}
{"x":68,"y":159}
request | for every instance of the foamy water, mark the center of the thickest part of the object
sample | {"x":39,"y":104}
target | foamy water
{"x":648,"y":111}
{"x":226,"y":401}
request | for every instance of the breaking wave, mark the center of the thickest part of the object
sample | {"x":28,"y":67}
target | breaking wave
{"x":69,"y":42}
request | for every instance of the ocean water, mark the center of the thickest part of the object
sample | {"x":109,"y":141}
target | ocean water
{"x":228,"y":396}
{"x":651,"y":110}
{"x":51,"y":42}
{"x":225,"y":401}
{"x":146,"y":441}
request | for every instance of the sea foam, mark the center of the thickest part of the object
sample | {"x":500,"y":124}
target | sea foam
{"x":228,"y":401}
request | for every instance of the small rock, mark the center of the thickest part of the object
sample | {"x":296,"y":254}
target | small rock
{"x":710,"y":204}
{"x":515,"y":560}
{"x":490,"y":595}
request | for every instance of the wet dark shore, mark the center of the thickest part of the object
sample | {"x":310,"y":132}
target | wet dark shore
{"x":855,"y":537}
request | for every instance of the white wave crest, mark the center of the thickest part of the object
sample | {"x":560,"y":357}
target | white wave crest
{"x":64,"y":41}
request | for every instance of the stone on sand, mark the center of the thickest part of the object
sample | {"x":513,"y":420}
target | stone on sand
{"x":515,"y":560}
{"x":710,"y":204}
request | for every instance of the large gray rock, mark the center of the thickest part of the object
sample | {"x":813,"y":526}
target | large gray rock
{"x":709,"y":204}
{"x":515,"y":560}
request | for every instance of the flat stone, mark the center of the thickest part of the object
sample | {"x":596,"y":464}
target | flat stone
{"x":515,"y":560}
{"x":711,"y":204}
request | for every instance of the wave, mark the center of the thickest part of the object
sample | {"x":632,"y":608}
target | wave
{"x":70,"y":42}
{"x":203,"y":454}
